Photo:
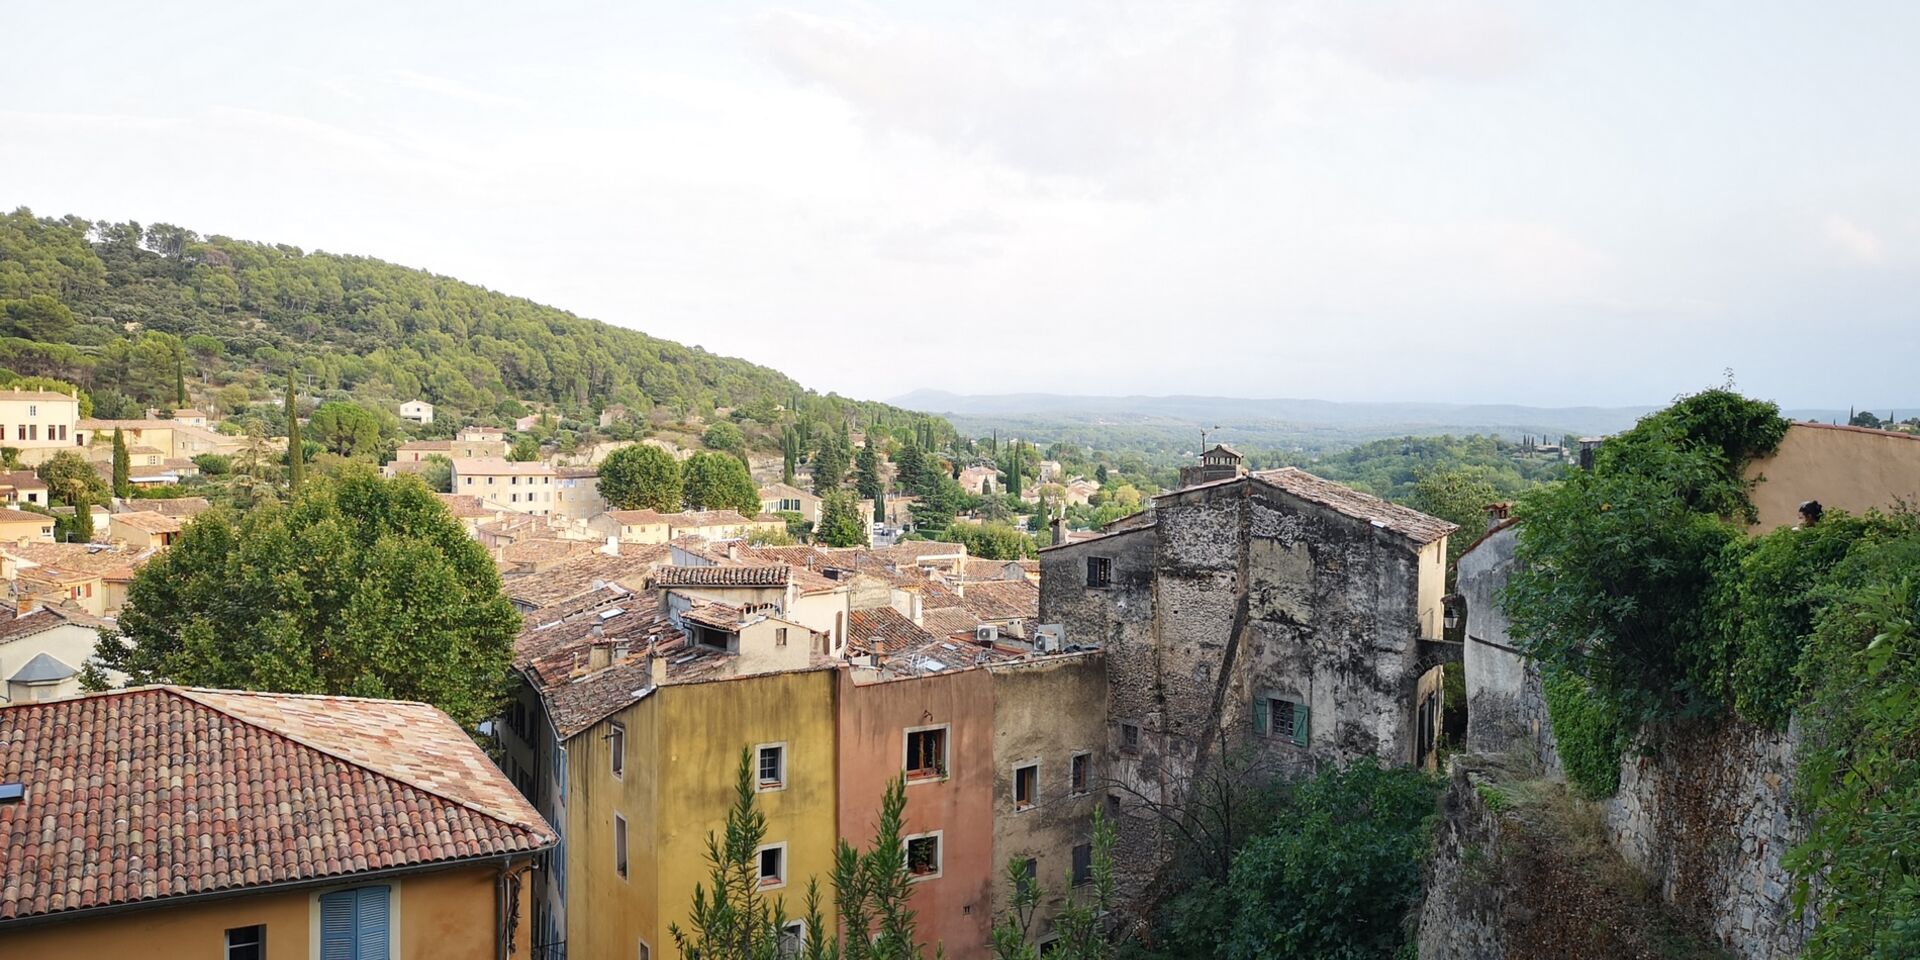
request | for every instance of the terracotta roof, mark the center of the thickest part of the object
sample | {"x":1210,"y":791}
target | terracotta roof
{"x":22,"y":480}
{"x":576,"y":576}
{"x":427,"y":445}
{"x":553,"y":654}
{"x":785,"y":491}
{"x":1002,"y":599}
{"x":767,"y":575}
{"x":34,"y":395}
{"x":110,"y":562}
{"x":705,"y":518}
{"x":1900,"y":434}
{"x":947,"y":621}
{"x":148,"y":521}
{"x":1405,"y":521}
{"x":888,"y":625}
{"x":631,"y":518}
{"x":576,"y":473}
{"x":465,"y":506}
{"x":720,"y":616}
{"x":22,"y":516}
{"x":543,"y":549}
{"x":189,"y":412}
{"x":171,"y":506}
{"x":155,"y":792}
{"x":915,"y":550}
{"x":14,"y":626}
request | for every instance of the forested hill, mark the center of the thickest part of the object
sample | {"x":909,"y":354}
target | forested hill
{"x":120,"y":309}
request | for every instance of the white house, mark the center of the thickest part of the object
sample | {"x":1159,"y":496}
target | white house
{"x":418,"y":411}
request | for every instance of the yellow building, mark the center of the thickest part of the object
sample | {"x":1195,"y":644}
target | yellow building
{"x":626,"y":733}
{"x":518,"y":487}
{"x":1843,"y":468}
{"x":18,"y":526}
{"x":168,"y":822}
{"x":143,"y":529}
{"x":39,"y":423}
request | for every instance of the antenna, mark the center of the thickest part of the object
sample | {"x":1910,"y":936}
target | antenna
{"x":1203,"y":437}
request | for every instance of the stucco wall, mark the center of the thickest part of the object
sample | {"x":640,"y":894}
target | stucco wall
{"x":955,"y":908}
{"x":1046,"y":712}
{"x":1844,"y":468}
{"x":435,"y":915}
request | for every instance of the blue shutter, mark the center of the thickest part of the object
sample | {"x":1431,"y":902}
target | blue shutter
{"x":1259,"y":714}
{"x":373,"y":923}
{"x":1300,"y":724}
{"x":337,"y":926}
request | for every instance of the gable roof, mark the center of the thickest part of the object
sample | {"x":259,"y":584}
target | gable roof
{"x":1002,"y":599}
{"x":556,"y":641}
{"x":500,"y":467}
{"x":154,"y":792}
{"x":580,"y":575}
{"x":758,"y":575}
{"x":1405,"y":521}
{"x":148,"y":521}
{"x":630,"y":518}
{"x":22,"y":516}
{"x":14,"y":626}
{"x":887,"y":625}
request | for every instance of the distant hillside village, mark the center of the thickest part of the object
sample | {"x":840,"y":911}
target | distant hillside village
{"x":1054,"y":707}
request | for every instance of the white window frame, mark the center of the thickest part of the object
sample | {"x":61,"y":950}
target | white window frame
{"x":946,"y":752}
{"x":617,"y":750}
{"x":762,"y":786}
{"x":620,"y":845}
{"x":939,"y":854}
{"x":786,"y":866}
{"x":1034,"y":799}
{"x":645,"y":952}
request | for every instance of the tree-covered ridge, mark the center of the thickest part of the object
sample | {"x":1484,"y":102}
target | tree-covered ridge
{"x":126,"y":307}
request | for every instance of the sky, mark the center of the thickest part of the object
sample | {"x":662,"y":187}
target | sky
{"x":1436,"y":200}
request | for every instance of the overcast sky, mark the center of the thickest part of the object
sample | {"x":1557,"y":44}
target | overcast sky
{"x":1549,"y":203}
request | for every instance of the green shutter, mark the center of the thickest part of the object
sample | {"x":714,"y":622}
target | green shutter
{"x":1301,"y":718}
{"x":1259,"y":714}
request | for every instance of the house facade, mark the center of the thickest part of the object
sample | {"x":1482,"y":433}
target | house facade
{"x":417,"y":411}
{"x":19,"y":525}
{"x":39,"y":423}
{"x":508,"y":485}
{"x":321,"y":827}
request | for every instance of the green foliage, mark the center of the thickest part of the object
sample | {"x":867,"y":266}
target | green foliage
{"x":830,"y":461}
{"x":13,"y":381}
{"x":1859,"y":778}
{"x":437,"y":473}
{"x":718,"y":481}
{"x":1077,"y":927}
{"x":840,"y":524}
{"x":1588,"y":733}
{"x":1459,"y":495}
{"x":1335,"y":875}
{"x":731,"y":918}
{"x":726,"y":438}
{"x":866,"y":472}
{"x":211,"y":465}
{"x":992,"y":541}
{"x":346,"y":429}
{"x":361,"y":587}
{"x":38,"y":317}
{"x":1767,"y":592}
{"x":122,"y":466}
{"x":71,"y":480}
{"x":525,"y":449}
{"x":296,"y":446}
{"x":641,"y":477}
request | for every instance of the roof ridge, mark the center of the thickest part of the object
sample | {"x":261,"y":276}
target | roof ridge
{"x":189,"y":693}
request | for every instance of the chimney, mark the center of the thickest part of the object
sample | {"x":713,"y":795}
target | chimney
{"x":733,"y":550}
{"x":1059,"y":530}
{"x":612,"y":549}
{"x":879,"y":647}
{"x":1497,"y":513}
{"x":657,"y":670}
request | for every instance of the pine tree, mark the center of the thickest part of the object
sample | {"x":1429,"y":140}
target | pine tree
{"x":866,"y":471}
{"x":296,"y":453}
{"x":122,"y":466}
{"x":880,"y":508}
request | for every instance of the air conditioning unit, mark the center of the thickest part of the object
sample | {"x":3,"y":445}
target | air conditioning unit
{"x":1049,"y":637}
{"x":986,"y":634}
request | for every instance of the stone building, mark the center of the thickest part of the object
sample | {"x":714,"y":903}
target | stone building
{"x":1278,"y":616}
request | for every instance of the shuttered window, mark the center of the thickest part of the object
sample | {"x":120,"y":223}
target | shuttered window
{"x":1276,"y":716}
{"x":353,"y":924}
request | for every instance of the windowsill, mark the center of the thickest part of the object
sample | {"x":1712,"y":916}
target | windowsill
{"x":916,"y":778}
{"x":919,"y":877}
{"x":766,"y":884}
{"x":770,"y":786}
{"x":1023,"y":807}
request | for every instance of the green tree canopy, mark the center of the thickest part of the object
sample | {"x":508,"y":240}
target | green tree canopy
{"x":347,"y":429}
{"x":361,"y":587}
{"x":717,"y":481}
{"x":641,"y":477}
{"x":726,"y":438}
{"x":866,"y":471}
{"x":840,"y":523}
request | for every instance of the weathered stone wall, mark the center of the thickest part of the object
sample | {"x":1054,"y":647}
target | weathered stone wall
{"x":1495,"y":672}
{"x":1463,"y":914}
{"x":1708,"y":816}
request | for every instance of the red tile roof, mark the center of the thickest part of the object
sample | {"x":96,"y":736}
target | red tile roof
{"x":767,"y":575}
{"x":887,"y":625}
{"x":156,"y":792}
{"x":1405,"y":521}
{"x":1002,"y":599}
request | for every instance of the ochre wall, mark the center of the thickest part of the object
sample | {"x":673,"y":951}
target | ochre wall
{"x":439,"y":915}
{"x":956,"y":908}
{"x":1844,"y":468}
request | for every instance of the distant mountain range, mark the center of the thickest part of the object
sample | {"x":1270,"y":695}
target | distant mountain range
{"x":1172,"y":424}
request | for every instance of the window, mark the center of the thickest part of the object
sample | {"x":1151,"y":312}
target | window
{"x":1030,"y":872}
{"x":1026,"y":782}
{"x":1276,"y":716}
{"x":620,"y":845}
{"x":772,"y":766}
{"x":1082,"y":864}
{"x":779,"y":636}
{"x":33,"y":410}
{"x":617,"y":749}
{"x":1099,"y":571}
{"x":646,"y":952}
{"x":1079,"y":773}
{"x":1130,"y":737}
{"x":773,"y":866}
{"x":927,"y":753}
{"x":1113,"y":806}
{"x":353,"y":924}
{"x":923,"y":856}
{"x":793,"y":940}
{"x":247,"y":943}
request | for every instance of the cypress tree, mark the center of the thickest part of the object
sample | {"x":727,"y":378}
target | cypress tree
{"x":180,"y":381}
{"x":122,"y":466}
{"x":296,"y":465}
{"x":880,"y":508}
